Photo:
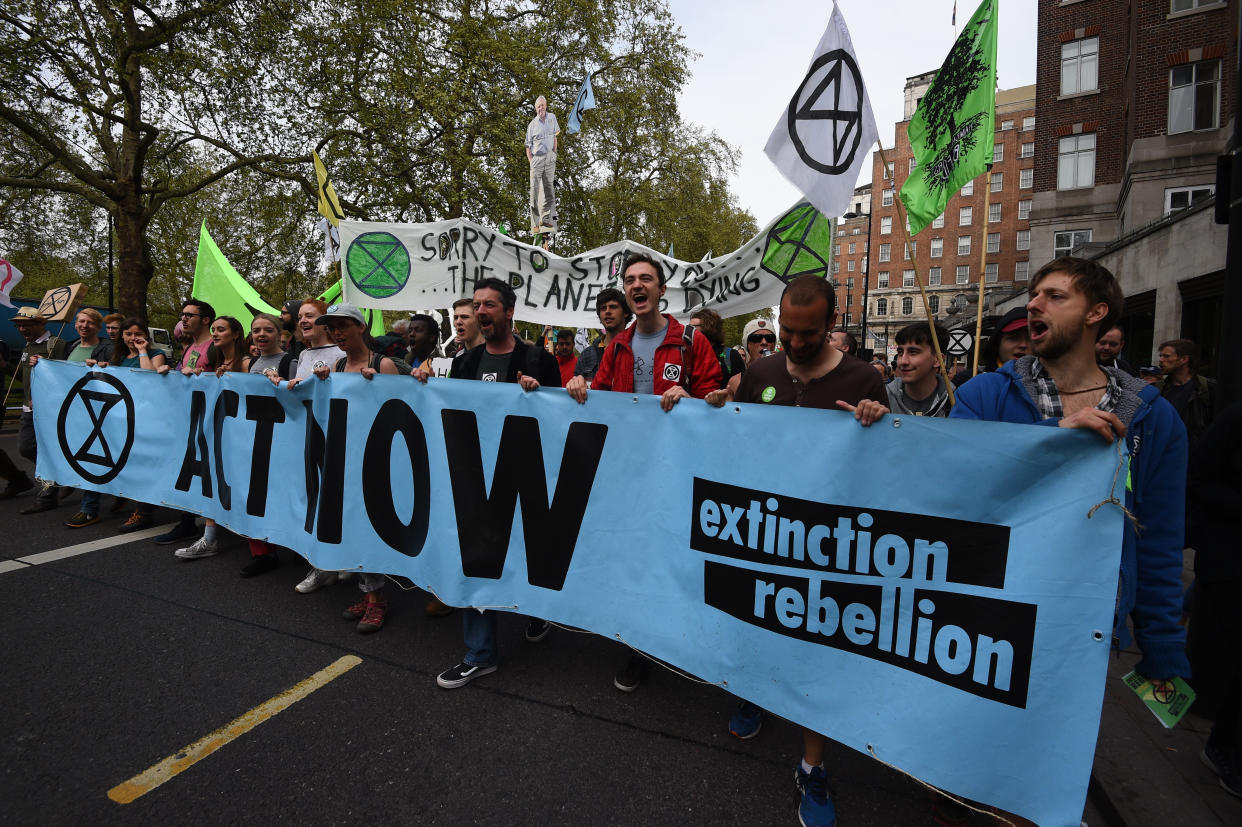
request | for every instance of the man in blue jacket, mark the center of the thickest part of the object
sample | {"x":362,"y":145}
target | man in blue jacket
{"x":1072,"y":302}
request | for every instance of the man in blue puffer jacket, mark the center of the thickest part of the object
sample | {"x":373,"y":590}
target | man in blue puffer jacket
{"x":1073,"y":301}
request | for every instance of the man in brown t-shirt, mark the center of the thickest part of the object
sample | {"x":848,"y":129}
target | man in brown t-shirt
{"x":808,"y":373}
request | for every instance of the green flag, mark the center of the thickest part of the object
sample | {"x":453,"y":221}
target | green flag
{"x":798,"y":243}
{"x":952,"y":131}
{"x":216,"y":282}
{"x":375,"y":318}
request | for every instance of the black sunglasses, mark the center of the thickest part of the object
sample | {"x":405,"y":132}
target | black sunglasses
{"x":761,"y":337}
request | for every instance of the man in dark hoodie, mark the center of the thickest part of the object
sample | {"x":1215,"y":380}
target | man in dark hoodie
{"x":1072,"y":302}
{"x":918,"y":389}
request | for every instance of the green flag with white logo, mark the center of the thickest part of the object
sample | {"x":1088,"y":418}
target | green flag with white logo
{"x":952,"y":131}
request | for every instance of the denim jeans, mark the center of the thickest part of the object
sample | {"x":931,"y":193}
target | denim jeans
{"x":90,"y":503}
{"x":479,"y":629}
{"x":28,"y":448}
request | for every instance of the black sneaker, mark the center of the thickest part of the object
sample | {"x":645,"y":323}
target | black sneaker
{"x":462,"y":674}
{"x":183,"y":530}
{"x":632,"y":674}
{"x":17,"y":487}
{"x":1221,"y":762}
{"x":261,"y":564}
{"x":537,"y":629}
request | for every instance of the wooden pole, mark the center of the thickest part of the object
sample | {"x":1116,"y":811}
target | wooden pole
{"x":983,"y":267}
{"x":931,"y":320}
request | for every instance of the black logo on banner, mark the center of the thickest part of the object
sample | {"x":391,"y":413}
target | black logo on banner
{"x":834,"y":72}
{"x":104,"y":448}
{"x":884,"y":585}
{"x":55,"y":302}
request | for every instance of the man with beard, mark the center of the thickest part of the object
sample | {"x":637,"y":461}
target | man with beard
{"x":502,"y":357}
{"x":1108,"y":351}
{"x":1072,"y":303}
{"x":614,"y":314}
{"x":807,"y":373}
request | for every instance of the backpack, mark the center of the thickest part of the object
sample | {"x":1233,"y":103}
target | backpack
{"x":687,"y":356}
{"x":377,"y":359}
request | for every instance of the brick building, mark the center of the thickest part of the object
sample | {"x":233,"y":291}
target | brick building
{"x":969,"y":241}
{"x":849,"y":262}
{"x":1135,"y":101}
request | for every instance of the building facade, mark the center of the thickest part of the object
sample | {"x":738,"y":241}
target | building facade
{"x":1135,"y":102}
{"x":849,"y":261}
{"x":984,"y":232}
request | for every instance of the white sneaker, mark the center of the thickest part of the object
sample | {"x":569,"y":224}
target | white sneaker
{"x":201,"y":548}
{"x":317,"y":579}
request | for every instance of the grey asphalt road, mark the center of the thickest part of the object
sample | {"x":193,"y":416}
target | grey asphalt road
{"x":118,"y":658}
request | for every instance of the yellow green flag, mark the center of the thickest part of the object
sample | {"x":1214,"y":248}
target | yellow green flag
{"x":329,"y":206}
{"x":217,"y":282}
{"x":952,"y":131}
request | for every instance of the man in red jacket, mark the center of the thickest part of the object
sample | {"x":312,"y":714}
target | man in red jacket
{"x":653,"y":355}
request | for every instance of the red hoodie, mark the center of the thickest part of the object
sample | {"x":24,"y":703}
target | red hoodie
{"x":616,"y":368}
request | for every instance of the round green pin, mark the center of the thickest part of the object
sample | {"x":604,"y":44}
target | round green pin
{"x":769,"y":393}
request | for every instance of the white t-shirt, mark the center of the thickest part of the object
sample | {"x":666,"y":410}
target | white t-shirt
{"x":312,"y":357}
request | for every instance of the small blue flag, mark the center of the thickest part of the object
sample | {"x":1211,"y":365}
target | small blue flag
{"x":584,"y":101}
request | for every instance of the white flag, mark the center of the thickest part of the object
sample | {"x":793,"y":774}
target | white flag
{"x":826,"y":133}
{"x":331,"y":240}
{"x":9,"y":277}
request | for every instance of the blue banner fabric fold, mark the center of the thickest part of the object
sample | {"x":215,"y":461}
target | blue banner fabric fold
{"x":947,"y":610}
{"x":585,"y":100}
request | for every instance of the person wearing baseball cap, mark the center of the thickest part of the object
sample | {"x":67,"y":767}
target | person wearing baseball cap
{"x":40,"y":344}
{"x":758,"y":339}
{"x":1011,"y":340}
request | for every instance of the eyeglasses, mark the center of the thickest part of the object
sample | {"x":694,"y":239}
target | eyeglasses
{"x":191,"y":315}
{"x":756,"y":338}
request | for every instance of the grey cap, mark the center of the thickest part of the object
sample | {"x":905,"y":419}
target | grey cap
{"x":342,"y":311}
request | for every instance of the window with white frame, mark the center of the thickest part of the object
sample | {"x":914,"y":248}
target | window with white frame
{"x":886,"y":198}
{"x":994,"y":213}
{"x":1026,"y":178}
{"x":907,"y":278}
{"x":886,"y":225}
{"x":969,"y":187}
{"x":881,"y":307}
{"x":886,"y":252}
{"x":1187,"y":5}
{"x":964,"y":216}
{"x":1076,"y":162}
{"x":963,"y":245}
{"x":998,"y":153}
{"x":1080,"y":60}
{"x":852,"y":246}
{"x":1027,"y":150}
{"x":888,"y":172}
{"x":912,"y":250}
{"x":997,"y":181}
{"x":849,"y":284}
{"x":883,"y":282}
{"x":1006,"y":125}
{"x":1194,"y":96}
{"x":1028,"y":123}
{"x":937,"y":247}
{"x":846,"y":319}
{"x":1020,"y":270}
{"x":914,"y":163}
{"x":1024,"y":240}
{"x":934,"y":303}
{"x":963,"y":273}
{"x":836,"y":266}
{"x":933,"y":276}
{"x":849,"y":266}
{"x":1024,"y":210}
{"x":938,"y":222}
{"x":993,"y":242}
{"x":991,"y":272}
{"x":907,"y":305}
{"x":1063,"y":243}
{"x":836,"y":249}
{"x":1179,"y":198}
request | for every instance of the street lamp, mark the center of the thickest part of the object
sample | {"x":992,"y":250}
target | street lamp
{"x":866,"y":273}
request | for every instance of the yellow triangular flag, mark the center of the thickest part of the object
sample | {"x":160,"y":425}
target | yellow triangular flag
{"x":329,"y":206}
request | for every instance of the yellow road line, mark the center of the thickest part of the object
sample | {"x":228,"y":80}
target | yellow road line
{"x":144,"y":782}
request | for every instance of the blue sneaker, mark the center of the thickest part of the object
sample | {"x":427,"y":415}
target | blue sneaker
{"x":814,"y":804}
{"x":746,"y":721}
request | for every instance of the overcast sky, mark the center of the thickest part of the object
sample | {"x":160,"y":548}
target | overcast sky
{"x":754,"y":54}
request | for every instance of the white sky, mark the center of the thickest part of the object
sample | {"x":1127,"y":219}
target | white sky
{"x":755,"y":53}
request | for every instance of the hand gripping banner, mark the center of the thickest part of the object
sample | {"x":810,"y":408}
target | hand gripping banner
{"x":412,"y":266}
{"x":948,"y":612}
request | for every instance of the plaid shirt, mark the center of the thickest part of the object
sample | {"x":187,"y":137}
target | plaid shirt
{"x":1048,"y":398}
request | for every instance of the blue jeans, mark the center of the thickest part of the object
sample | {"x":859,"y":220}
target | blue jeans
{"x":479,"y":629}
{"x":90,"y":503}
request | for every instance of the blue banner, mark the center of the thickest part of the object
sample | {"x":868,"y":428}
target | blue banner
{"x":584,"y":100}
{"x":929,"y":591}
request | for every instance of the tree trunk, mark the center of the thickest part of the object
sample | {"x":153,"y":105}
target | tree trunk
{"x":134,"y":266}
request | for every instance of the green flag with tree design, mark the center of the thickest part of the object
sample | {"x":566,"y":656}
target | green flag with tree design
{"x":952,"y":131}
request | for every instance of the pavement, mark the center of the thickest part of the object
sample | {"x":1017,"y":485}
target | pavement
{"x":116,"y":657}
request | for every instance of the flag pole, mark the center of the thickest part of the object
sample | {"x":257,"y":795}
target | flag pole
{"x":931,"y":320}
{"x":983,"y":267}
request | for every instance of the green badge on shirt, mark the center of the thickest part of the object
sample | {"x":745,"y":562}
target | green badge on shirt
{"x":769,"y":393}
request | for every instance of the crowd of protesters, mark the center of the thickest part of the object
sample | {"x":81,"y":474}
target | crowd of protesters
{"x":1056,"y":361}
